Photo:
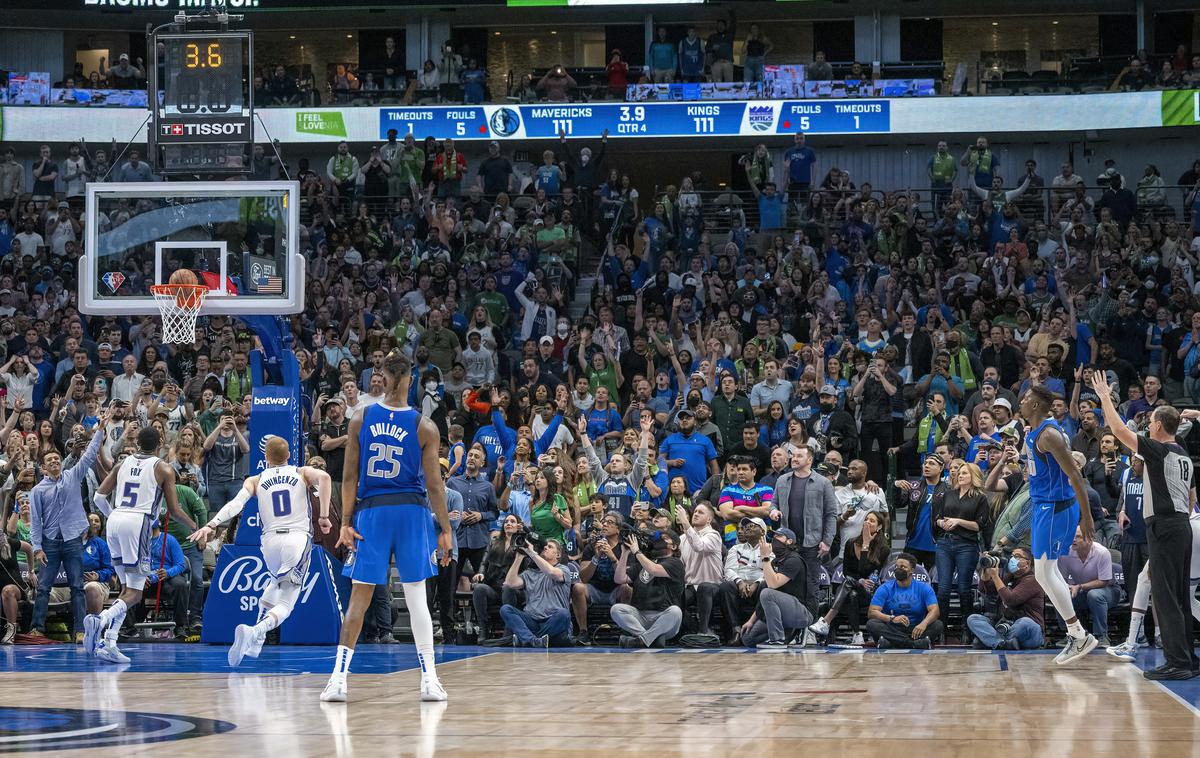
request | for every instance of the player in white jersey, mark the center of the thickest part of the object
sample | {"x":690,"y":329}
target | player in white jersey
{"x":283,"y":511}
{"x":143,"y":482}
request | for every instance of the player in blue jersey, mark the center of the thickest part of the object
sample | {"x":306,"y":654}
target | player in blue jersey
{"x":1058,"y":498}
{"x":392,"y":493}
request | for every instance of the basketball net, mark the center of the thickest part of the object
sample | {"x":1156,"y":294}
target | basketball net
{"x":179,"y":305}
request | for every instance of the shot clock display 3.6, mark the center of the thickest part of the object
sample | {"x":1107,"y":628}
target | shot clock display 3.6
{"x":203,"y":76}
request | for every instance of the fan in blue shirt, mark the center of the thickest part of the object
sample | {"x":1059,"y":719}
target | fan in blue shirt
{"x":689,"y":453}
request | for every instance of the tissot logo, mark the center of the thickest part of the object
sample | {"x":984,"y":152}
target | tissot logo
{"x":231,"y":129}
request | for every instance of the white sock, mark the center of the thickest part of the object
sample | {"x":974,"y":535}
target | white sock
{"x":1045,"y":570}
{"x":114,"y":613}
{"x":422,"y":626}
{"x":341,"y":664}
{"x":277,"y":603}
{"x":1136,"y":619}
{"x":110,"y":637}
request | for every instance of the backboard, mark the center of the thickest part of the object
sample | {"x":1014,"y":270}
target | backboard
{"x":241,"y":239}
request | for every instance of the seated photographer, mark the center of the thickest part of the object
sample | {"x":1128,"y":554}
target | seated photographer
{"x":1013,"y":608}
{"x":743,"y":575}
{"x":487,"y":587}
{"x":700,"y":550}
{"x":904,"y":611}
{"x":862,"y":560}
{"x":546,"y":618}
{"x":1088,"y":571}
{"x":598,"y":582}
{"x":655,"y":611}
{"x":784,"y":605}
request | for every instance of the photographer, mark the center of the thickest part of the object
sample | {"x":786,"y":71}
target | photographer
{"x":1017,"y":621}
{"x":598,"y":579}
{"x":656,"y":610}
{"x":546,"y":619}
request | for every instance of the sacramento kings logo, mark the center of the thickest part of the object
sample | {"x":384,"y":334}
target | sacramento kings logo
{"x":505,"y":122}
{"x":762,"y":117}
{"x":26,"y":730}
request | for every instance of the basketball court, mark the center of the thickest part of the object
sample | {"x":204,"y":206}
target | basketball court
{"x":599,"y":702}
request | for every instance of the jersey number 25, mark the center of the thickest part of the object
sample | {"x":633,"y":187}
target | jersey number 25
{"x":384,"y":461}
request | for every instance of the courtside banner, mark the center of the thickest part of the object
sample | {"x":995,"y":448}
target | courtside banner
{"x":237,"y":585}
{"x":1181,"y":108}
{"x":708,"y":119}
{"x":274,"y":412}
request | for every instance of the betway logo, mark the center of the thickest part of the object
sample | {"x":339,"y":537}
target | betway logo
{"x":229,"y":128}
{"x":272,"y":400}
{"x":248,"y":574}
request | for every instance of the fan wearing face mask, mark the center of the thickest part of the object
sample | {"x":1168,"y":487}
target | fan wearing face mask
{"x":904,"y":610}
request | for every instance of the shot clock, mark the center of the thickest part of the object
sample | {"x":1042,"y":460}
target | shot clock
{"x":202,"y":118}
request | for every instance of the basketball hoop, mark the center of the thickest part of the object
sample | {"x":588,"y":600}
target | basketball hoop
{"x":179,"y":305}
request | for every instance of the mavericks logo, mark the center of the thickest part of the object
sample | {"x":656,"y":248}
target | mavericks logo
{"x":762,"y":117}
{"x":27,"y":730}
{"x":505,"y":122}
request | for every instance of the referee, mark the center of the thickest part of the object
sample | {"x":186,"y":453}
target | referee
{"x":1166,"y":504}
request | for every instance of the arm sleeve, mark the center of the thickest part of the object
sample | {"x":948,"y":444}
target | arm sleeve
{"x":102,"y":504}
{"x":232,"y":508}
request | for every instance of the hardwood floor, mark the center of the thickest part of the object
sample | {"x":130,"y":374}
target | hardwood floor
{"x":598,"y":702}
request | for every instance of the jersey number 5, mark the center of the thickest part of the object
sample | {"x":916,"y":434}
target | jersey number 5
{"x":129,"y":495}
{"x":384,"y":461}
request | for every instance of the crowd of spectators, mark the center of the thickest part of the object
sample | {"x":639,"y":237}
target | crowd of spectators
{"x":724,"y":442}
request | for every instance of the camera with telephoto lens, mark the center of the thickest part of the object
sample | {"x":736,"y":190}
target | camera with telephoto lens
{"x":527,"y":537}
{"x":993,"y":558}
{"x":645,"y":538}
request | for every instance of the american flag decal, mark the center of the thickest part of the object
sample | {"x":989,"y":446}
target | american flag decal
{"x":269,"y":285}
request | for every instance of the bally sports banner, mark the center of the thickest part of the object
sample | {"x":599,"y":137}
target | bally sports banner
{"x":704,"y":119}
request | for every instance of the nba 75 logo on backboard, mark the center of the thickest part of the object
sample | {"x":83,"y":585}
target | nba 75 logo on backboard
{"x":113,"y":280}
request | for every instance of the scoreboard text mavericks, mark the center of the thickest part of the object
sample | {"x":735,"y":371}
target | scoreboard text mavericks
{"x":651,"y":119}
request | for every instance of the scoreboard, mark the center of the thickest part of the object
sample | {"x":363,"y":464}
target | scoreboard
{"x":633,"y":119}
{"x":203,"y":113}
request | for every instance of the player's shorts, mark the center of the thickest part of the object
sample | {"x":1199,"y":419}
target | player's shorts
{"x":405,"y":531}
{"x":128,"y":538}
{"x":287,"y":554}
{"x":1052,"y":527}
